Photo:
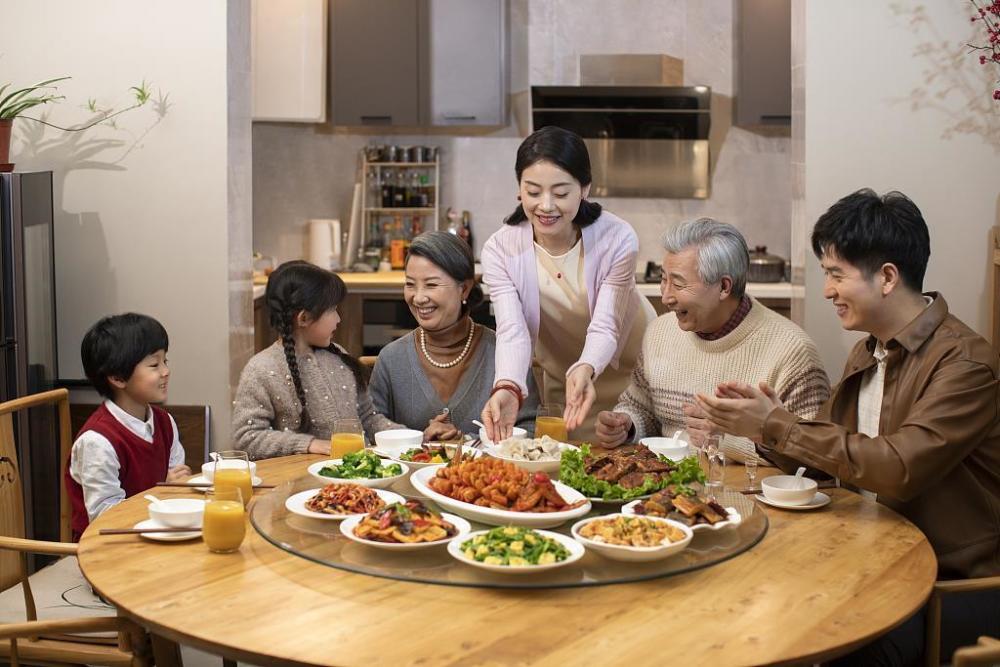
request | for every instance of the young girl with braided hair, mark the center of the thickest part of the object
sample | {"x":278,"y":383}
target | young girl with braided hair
{"x":291,"y":393}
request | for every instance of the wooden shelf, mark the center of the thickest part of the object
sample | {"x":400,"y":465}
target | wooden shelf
{"x":402,"y":209}
{"x":402,"y":164}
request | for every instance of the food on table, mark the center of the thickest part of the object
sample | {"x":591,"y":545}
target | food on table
{"x":687,"y":509}
{"x":625,"y":472}
{"x":531,"y":449}
{"x":500,"y":485}
{"x":361,"y":465}
{"x":631,"y":531}
{"x":345,"y":499}
{"x":427,"y":454}
{"x":404,"y":524}
{"x":517,"y":547}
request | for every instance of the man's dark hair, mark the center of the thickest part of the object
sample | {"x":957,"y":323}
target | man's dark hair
{"x":116,"y":344}
{"x":869,"y":231}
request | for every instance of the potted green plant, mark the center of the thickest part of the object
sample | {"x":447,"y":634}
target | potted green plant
{"x":15,"y":103}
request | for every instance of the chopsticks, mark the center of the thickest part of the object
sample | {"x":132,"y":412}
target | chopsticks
{"x":205,"y":485}
{"x":134,"y":531}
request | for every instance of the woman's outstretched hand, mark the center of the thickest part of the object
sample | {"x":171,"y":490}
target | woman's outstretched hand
{"x":499,"y":415}
{"x":580,"y":395}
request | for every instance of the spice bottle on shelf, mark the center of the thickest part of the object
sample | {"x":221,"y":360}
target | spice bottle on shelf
{"x":386,"y":189}
{"x":397,"y":251}
{"x":465,"y":231}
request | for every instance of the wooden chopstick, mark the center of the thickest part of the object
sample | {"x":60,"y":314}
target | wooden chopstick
{"x":202,"y":485}
{"x":133,"y":531}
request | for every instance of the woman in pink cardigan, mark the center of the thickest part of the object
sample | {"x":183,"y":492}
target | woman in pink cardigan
{"x":561,"y":275}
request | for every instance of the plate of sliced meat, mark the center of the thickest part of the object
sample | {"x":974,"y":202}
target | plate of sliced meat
{"x":696,"y":512}
{"x":623,"y":474}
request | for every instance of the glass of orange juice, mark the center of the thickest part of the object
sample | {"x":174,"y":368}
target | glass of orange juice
{"x":549,"y":421}
{"x":348,"y":436}
{"x":224,"y":526}
{"x":232,"y":470}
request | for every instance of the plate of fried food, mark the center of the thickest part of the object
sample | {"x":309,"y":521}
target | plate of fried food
{"x":632,"y":538}
{"x":516,"y":550}
{"x":693,"y":511}
{"x":404,"y":526}
{"x":499,"y":493}
{"x":338,"y":501}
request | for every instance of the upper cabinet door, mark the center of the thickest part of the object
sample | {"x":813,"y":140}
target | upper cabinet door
{"x":466,"y":73}
{"x":764,"y":62}
{"x":374,"y":62}
{"x":289,"y":60}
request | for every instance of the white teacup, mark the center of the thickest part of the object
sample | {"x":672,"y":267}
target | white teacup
{"x":178,"y":512}
{"x":789,"y":489}
{"x":208,"y":469}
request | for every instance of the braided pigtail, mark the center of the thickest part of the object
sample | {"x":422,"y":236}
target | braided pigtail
{"x":353,"y":364}
{"x":288,"y":342}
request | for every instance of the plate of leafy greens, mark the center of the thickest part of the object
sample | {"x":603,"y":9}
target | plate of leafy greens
{"x":364,"y":468}
{"x":626,"y":473}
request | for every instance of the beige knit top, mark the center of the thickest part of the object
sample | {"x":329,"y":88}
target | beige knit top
{"x":267,"y":414}
{"x":675,"y":364}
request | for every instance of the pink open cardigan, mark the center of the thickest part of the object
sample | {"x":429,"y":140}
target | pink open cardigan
{"x":610,"y":248}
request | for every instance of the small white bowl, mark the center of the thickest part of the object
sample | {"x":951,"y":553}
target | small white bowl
{"x":208,"y":469}
{"x":673,"y":449}
{"x":178,"y":512}
{"x":789,"y":489}
{"x":396,"y":441}
{"x":374,"y":483}
{"x":632,"y":554}
{"x":517,"y":432}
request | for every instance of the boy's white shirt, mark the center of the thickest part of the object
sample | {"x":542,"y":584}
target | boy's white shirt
{"x":94,"y":464}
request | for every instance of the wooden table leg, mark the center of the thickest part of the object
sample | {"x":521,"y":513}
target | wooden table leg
{"x":166,"y":653}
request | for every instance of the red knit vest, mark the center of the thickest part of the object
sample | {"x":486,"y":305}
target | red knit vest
{"x":141,"y":464}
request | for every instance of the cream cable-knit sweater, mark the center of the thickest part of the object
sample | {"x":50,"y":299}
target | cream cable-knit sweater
{"x":266,"y":412}
{"x":674,"y":365}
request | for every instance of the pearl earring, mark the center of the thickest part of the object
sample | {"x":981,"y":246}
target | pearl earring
{"x":465,"y":301}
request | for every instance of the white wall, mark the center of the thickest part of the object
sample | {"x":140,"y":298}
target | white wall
{"x":894,"y":101}
{"x":143,"y":212}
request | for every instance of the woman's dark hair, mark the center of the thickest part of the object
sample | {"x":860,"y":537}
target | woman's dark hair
{"x":869,"y":231}
{"x":299,"y":286}
{"x":114,"y":346}
{"x":567,"y":151}
{"x":453,"y":256}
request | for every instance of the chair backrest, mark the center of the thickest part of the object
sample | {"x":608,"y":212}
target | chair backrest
{"x":11,"y":499}
{"x":986,"y":652}
{"x":995,"y":247}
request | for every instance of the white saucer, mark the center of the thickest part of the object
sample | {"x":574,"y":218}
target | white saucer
{"x":165,"y":537}
{"x":201,"y":479}
{"x":819,"y":500}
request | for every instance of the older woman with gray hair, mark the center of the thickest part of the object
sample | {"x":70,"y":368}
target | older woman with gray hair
{"x":438,"y":377}
{"x":714,"y":332}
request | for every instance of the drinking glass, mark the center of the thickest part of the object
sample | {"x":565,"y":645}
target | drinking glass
{"x":348,"y":436}
{"x":549,"y":421}
{"x":224,"y":526}
{"x":750,"y":465}
{"x":704,"y":450}
{"x":232,"y":470}
{"x":716,"y":474}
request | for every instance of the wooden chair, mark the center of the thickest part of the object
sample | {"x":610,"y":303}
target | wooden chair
{"x":986,"y":652}
{"x":51,"y":641}
{"x":932,"y":631}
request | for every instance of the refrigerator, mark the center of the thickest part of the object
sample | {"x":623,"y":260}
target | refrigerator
{"x":28,"y":354}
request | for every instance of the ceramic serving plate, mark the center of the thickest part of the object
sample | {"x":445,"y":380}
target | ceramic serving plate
{"x":296,"y":504}
{"x":576,"y":552}
{"x":375,"y":483}
{"x":348,"y":525}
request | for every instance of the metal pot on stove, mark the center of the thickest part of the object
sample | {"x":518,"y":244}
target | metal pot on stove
{"x":764,"y":267}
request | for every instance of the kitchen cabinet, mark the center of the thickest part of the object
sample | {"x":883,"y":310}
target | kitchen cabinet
{"x":419,"y":62}
{"x":763,"y":63}
{"x":288,"y":56}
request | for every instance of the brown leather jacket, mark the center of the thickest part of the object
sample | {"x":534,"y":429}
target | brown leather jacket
{"x":936,"y":459}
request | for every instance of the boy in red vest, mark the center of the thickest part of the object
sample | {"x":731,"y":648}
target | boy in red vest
{"x":127,"y":445}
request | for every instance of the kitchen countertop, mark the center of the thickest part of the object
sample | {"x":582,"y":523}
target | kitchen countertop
{"x":391,"y":282}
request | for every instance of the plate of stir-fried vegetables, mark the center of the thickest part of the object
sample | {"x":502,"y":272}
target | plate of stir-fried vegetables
{"x":405,"y":525}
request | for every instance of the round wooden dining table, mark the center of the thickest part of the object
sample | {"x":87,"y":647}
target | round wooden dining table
{"x":820,"y":583}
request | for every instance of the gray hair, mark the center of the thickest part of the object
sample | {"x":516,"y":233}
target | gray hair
{"x":453,"y":256}
{"x":722,"y":250}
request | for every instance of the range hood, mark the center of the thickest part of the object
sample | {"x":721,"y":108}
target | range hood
{"x":644,"y":141}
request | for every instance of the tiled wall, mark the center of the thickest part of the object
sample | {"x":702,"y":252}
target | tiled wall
{"x":308,"y":171}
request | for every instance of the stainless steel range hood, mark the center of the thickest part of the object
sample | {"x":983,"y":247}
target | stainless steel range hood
{"x":644,"y":141}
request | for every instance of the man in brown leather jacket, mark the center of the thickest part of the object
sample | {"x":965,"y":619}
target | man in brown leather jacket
{"x":915,"y":420}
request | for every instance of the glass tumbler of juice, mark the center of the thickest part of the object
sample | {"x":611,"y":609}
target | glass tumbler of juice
{"x":348,"y":436}
{"x":232,"y":470}
{"x":549,"y":421}
{"x":224,"y":526}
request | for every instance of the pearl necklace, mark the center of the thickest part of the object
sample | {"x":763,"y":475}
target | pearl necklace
{"x":454,"y":362}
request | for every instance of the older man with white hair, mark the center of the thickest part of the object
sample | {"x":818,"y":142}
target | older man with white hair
{"x":713,"y":332}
